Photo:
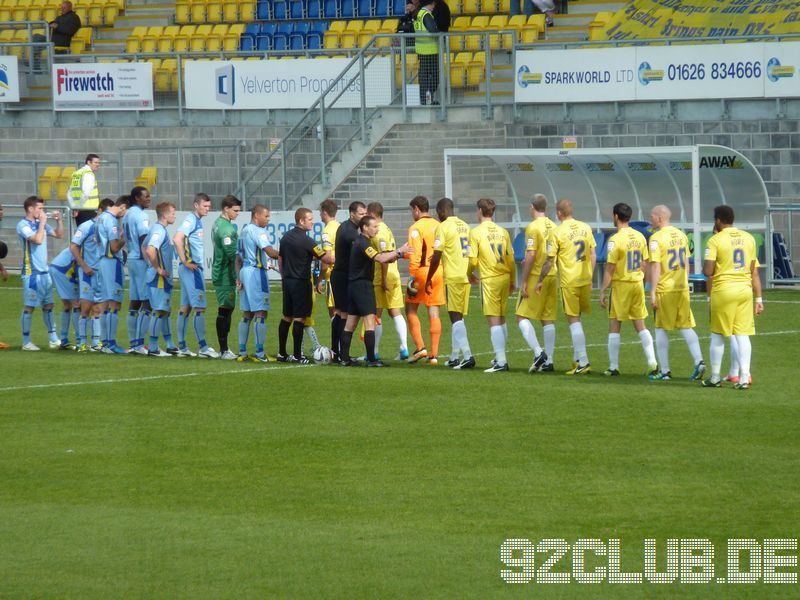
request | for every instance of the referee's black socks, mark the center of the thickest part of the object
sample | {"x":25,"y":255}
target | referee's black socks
{"x":297,"y":338}
{"x":283,"y":335}
{"x":369,"y":342}
{"x":347,"y":337}
{"x":335,"y":333}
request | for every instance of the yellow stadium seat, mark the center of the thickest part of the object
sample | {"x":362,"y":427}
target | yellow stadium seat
{"x":181,"y":43}
{"x":330,"y":40}
{"x":460,"y":24}
{"x":354,"y":25}
{"x":476,"y":70}
{"x":35,"y":12}
{"x":110,"y":13}
{"x":369,"y":29}
{"x":214,"y":39}
{"x":504,"y":6}
{"x":498,"y":41}
{"x":198,"y":41}
{"x":166,"y":77}
{"x":19,"y":12}
{"x":389,"y":25}
{"x":149,"y":43}
{"x":62,"y":182}
{"x":198,"y":11}
{"x":134,"y":41}
{"x":475,"y":42}
{"x":471,"y":7}
{"x":183,"y":11}
{"x":167,"y":38}
{"x":598,"y":25}
{"x":536,"y":21}
{"x":81,"y":40}
{"x":230,"y":11}
{"x":247,"y":11}
{"x":517,"y":22}
{"x":230,"y":41}
{"x":338,"y":26}
{"x":214,"y":11}
{"x":6,"y":35}
{"x":349,"y":39}
{"x":95,"y":15}
{"x":147,"y":178}
{"x":529,"y":36}
{"x":47,"y":182}
{"x":458,"y":69}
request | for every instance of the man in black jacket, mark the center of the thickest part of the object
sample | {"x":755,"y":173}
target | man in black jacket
{"x":62,"y":28}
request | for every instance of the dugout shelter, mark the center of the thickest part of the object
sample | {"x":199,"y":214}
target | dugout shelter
{"x":690,"y":180}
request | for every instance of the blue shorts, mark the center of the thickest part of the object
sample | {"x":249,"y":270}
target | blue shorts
{"x":66,"y":285}
{"x":255,"y":289}
{"x":89,"y":287}
{"x":37,"y":289}
{"x":193,"y":287}
{"x":138,"y":288}
{"x":161,"y":298}
{"x":111,"y":280}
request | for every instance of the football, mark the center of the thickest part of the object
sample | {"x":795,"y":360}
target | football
{"x":323,"y":355}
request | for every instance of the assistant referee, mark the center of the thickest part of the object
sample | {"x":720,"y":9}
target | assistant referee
{"x":347,"y":233}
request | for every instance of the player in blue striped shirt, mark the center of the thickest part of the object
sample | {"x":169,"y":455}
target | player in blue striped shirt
{"x":136,"y":224}
{"x":111,"y":240}
{"x":159,"y":251}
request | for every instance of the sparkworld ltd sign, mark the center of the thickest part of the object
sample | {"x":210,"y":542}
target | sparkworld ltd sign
{"x":9,"y":79}
{"x":112,"y":86}
{"x":243,"y":85}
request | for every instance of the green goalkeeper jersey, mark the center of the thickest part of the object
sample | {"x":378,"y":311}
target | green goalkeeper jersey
{"x":224,"y":236}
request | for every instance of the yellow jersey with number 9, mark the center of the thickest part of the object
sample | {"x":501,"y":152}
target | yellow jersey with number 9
{"x":627,"y":251}
{"x":733,"y":251}
{"x":570,"y":244}
{"x":490,"y":248}
{"x":451,"y":238}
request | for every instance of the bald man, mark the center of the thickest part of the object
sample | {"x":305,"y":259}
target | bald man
{"x":669,"y":292}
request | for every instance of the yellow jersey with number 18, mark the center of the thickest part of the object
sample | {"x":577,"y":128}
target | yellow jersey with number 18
{"x":570,"y":244}
{"x":451,"y":238}
{"x":627,"y":251}
{"x":733,"y":251}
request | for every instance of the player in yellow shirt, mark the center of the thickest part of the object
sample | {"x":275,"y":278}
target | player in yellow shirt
{"x":387,"y":284}
{"x":538,"y":306}
{"x":490,"y":251}
{"x":730,"y":265}
{"x":327,"y":214}
{"x":420,"y":239}
{"x":451,"y":250}
{"x":572,"y":245}
{"x":669,"y":291}
{"x":624,"y":272}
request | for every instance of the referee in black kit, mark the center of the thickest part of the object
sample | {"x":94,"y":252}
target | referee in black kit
{"x":362,"y":293}
{"x":296,"y":253}
{"x":345,"y":236}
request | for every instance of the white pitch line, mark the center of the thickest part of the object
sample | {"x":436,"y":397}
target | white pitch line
{"x":148,"y":378}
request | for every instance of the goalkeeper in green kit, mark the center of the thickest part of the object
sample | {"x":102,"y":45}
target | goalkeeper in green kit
{"x":223,"y":272}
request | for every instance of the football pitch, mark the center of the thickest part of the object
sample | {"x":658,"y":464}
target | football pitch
{"x":130,"y":476}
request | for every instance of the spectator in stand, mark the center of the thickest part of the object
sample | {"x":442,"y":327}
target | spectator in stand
{"x":62,"y":28}
{"x":427,"y":47}
{"x":441,"y":13}
{"x":548,"y":7}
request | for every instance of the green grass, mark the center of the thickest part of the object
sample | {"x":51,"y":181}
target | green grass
{"x":211,"y":479}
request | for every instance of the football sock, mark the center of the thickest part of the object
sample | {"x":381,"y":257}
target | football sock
{"x":97,"y":330}
{"x":462,"y":342}
{"x":199,"y":323}
{"x":83,"y":326}
{"x":297,"y":338}
{"x":64,"y":322}
{"x":613,"y":350}
{"x":416,"y":330}
{"x":715,"y":353}
{"x":25,"y":323}
{"x":283,"y":335}
{"x":346,"y":339}
{"x":436,"y":335}
{"x":690,"y":336}
{"x":312,"y":334}
{"x":49,"y":323}
{"x":662,"y":347}
{"x":143,"y":325}
{"x":402,"y":331}
{"x":505,"y":330}
{"x":131,"y":322}
{"x":745,"y":352}
{"x":244,"y":333}
{"x":155,"y":327}
{"x":261,"y":335}
{"x":498,"y":343}
{"x":76,"y":317}
{"x":182,"y":322}
{"x":223,"y":325}
{"x":342,"y":323}
{"x":734,"y":370}
{"x":579,"y":342}
{"x":377,"y":333}
{"x":526,"y":328}
{"x":335,"y":334}
{"x":166,"y":329}
{"x":549,"y":333}
{"x":369,"y":342}
{"x":113,"y":323}
{"x":647,"y":346}
{"x":453,"y":343}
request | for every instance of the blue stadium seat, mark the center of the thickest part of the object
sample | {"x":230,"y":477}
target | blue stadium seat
{"x":330,"y":9}
{"x":518,"y":246}
{"x":313,"y":41}
{"x":313,"y":9}
{"x":248,"y":39}
{"x":398,"y":8}
{"x":347,"y":9}
{"x":642,"y":227}
{"x":262,"y":10}
{"x":264,"y":42}
{"x":297,"y":39}
{"x":381,"y":8}
{"x":600,"y":239}
{"x":280,"y":39}
{"x":296,"y":9}
{"x":278,"y":9}
{"x":364,"y":8}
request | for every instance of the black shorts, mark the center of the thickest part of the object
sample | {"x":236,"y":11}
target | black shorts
{"x":339,"y":284}
{"x":362,"y":298}
{"x":297,"y":298}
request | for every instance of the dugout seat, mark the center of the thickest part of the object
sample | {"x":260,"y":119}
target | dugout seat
{"x":47,"y":182}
